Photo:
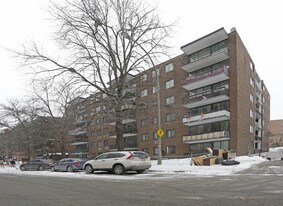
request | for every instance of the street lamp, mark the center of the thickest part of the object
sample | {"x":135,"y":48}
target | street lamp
{"x":159,"y":158}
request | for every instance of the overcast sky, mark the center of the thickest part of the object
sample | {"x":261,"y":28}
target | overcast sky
{"x":258,"y":22}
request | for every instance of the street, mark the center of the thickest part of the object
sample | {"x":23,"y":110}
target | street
{"x":256,"y":186}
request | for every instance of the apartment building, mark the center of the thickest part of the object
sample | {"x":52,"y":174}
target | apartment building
{"x":210,"y":96}
{"x":228,"y":104}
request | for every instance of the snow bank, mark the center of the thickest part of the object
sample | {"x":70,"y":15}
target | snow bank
{"x":172,"y":166}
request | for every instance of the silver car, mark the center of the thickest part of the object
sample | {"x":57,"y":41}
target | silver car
{"x":119,"y":162}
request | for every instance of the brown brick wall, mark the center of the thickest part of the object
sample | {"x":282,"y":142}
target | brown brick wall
{"x":240,"y":73}
{"x":178,"y":74}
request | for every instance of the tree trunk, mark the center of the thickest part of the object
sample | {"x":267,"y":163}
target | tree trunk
{"x":119,"y":131}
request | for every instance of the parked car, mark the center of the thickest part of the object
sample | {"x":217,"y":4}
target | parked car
{"x":37,"y":164}
{"x":68,"y":164}
{"x":119,"y":162}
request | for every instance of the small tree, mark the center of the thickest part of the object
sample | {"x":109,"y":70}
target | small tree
{"x":103,"y":42}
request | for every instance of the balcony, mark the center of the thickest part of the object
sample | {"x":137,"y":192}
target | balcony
{"x":207,"y":137}
{"x":77,"y":132}
{"x":80,"y":141}
{"x":79,"y":151}
{"x":80,"y":122}
{"x":129,"y":119}
{"x":205,"y":79}
{"x":206,"y":41}
{"x":207,"y":118}
{"x":206,"y":98}
{"x":127,"y":133}
{"x":210,"y":60}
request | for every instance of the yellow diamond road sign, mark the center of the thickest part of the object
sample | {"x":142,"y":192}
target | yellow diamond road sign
{"x":160,"y":133}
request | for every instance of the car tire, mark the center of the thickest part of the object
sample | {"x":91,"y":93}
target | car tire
{"x":70,"y":169}
{"x":22,"y":168}
{"x":140,"y":171}
{"x":118,"y":169}
{"x":40,"y":168}
{"x":88,"y":169}
{"x":53,"y":169}
{"x":230,"y":162}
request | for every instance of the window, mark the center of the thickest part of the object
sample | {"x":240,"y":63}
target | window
{"x":105,"y":131}
{"x":169,"y":67}
{"x":153,"y":73}
{"x":106,"y":143}
{"x":144,"y":78}
{"x":171,"y":149}
{"x":251,"y":129}
{"x":155,"y":150}
{"x":251,"y":82}
{"x":154,"y":89}
{"x":193,"y":57}
{"x":155,"y":137}
{"x":170,"y":133}
{"x":145,"y":137}
{"x":204,"y":53}
{"x":144,"y":122}
{"x":97,"y":109}
{"x":92,"y":133}
{"x":251,"y":98}
{"x":251,"y":114}
{"x":144,"y":93}
{"x":169,"y":100}
{"x":99,"y":144}
{"x":105,"y":120}
{"x":155,"y":120}
{"x":97,"y":121}
{"x":170,"y":117}
{"x":169,"y":84}
{"x":251,"y":66}
{"x":98,"y":132}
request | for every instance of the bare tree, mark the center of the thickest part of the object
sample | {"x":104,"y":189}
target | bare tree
{"x":19,"y":116}
{"x":54,"y":99}
{"x":102,"y":42}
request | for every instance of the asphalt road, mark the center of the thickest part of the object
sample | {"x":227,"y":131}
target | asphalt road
{"x":260,"y":185}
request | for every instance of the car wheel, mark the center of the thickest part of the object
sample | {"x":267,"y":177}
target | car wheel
{"x":70,"y":169}
{"x":230,"y":162}
{"x":22,"y":168}
{"x":40,"y":168}
{"x":53,"y":169}
{"x":119,"y":169}
{"x":88,"y":169}
{"x":140,"y":171}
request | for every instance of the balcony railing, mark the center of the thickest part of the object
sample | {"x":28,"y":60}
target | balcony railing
{"x":211,"y":117}
{"x":80,"y":141}
{"x":207,"y":75}
{"x":205,"y":95}
{"x":77,"y":132}
{"x":213,"y":136}
{"x":127,"y":132}
{"x":218,"y":75}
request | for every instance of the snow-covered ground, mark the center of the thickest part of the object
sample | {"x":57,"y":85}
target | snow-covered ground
{"x":172,"y":166}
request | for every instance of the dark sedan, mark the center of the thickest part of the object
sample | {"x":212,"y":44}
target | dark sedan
{"x":68,"y":164}
{"x":37,"y":164}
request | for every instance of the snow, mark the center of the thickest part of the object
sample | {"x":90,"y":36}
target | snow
{"x":169,"y":167}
